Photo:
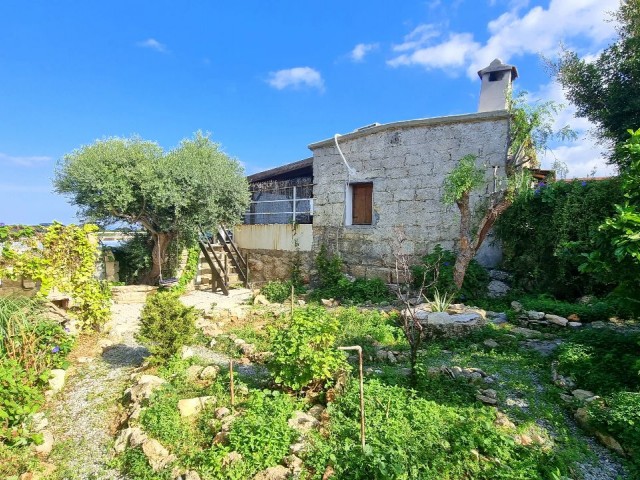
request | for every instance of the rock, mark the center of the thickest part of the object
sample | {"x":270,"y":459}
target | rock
{"x":516,"y":306}
{"x":564,"y":382}
{"x":598,"y":324}
{"x":56,"y":382}
{"x":186,"y":352}
{"x":209,"y":373}
{"x":499,"y":275}
{"x":610,"y":442}
{"x":328,"y":473}
{"x":221,"y":412}
{"x":486,"y":400}
{"x":273,"y":473}
{"x":497,"y":288}
{"x":533,"y":315}
{"x":391,"y":357}
{"x":490,"y":342}
{"x":575,"y":324}
{"x":582,"y":417}
{"x":144,"y":388}
{"x":45,"y":472}
{"x":585,"y":300}
{"x":156,"y":454}
{"x":583,"y":395}
{"x":516,"y":402}
{"x":538,"y":439}
{"x":573,"y":317}
{"x":503,"y":421}
{"x":556,"y":320}
{"x":296,"y":448}
{"x":261,"y":300}
{"x":294,"y":463}
{"x":192,"y":406}
{"x":566,"y":398}
{"x":221,"y":438}
{"x":499,"y":318}
{"x":190,"y":475}
{"x":132,"y":436}
{"x":248,"y":349}
{"x":44,"y":449}
{"x":316,"y":411}
{"x":526,"y":332}
{"x":523,"y":439}
{"x":104,"y":344}
{"x":381,"y":354}
{"x":302,"y":422}
{"x":231,"y":458}
{"x":39,"y":422}
{"x":490,"y":393}
{"x":193,"y":372}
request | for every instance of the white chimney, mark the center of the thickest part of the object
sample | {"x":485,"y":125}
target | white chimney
{"x":496,"y":85}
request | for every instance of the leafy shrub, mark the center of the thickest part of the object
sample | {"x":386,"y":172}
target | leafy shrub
{"x":437,"y":272}
{"x":413,"y":438}
{"x":135,"y":465}
{"x":134,"y":258}
{"x":601,"y":309}
{"x":329,"y":268}
{"x":368,"y":328}
{"x":261,"y":434}
{"x":545,"y":234}
{"x":304,"y":353}
{"x":619,"y":415}
{"x":166,"y":325}
{"x":276,"y":291}
{"x":19,"y":398}
{"x":602,"y":360}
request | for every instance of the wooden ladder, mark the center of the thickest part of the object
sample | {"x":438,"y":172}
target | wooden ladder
{"x":226,"y":263}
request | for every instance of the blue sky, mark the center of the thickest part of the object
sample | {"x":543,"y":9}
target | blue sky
{"x":265,"y":78}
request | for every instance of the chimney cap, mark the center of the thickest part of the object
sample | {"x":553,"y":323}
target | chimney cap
{"x":498,"y":66}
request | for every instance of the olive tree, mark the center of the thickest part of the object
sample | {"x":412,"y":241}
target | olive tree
{"x":169,"y":194}
{"x":531,"y":128}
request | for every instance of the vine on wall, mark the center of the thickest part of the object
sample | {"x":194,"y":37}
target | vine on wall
{"x":61,"y":258}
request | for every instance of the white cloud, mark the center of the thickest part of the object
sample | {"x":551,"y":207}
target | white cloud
{"x":296,"y":78}
{"x":512,"y":34}
{"x":24,"y":161}
{"x":153,"y":44}
{"x":360,"y":50}
{"x":450,"y":53}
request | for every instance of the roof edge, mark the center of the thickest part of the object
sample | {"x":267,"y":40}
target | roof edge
{"x":466,"y":118}
{"x":282,"y":169}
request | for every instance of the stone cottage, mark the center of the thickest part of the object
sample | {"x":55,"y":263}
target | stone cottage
{"x":360,"y":188}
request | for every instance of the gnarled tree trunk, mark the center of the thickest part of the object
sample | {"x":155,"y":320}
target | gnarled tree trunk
{"x":161,"y":242}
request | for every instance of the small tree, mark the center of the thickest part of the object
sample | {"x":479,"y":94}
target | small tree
{"x":169,"y":194}
{"x":530,"y":130}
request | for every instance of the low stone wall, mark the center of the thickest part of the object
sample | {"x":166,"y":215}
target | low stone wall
{"x":269,"y":265}
{"x":23,"y":287}
{"x":131,"y":293}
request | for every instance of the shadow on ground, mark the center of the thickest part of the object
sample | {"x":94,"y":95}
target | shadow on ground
{"x":122,"y":355}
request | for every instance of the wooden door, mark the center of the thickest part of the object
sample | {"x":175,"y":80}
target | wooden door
{"x":362,"y":203}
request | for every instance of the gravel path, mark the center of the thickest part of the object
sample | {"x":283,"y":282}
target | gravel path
{"x":82,"y":415}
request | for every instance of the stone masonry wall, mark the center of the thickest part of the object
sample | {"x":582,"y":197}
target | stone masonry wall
{"x":268,"y":265}
{"x":407,"y":165}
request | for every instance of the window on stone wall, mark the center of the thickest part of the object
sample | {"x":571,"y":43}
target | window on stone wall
{"x":361,"y":203}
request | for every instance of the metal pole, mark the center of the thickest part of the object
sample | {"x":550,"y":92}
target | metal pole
{"x":358,"y":349}
{"x":233,"y":400}
{"x":293,"y":220}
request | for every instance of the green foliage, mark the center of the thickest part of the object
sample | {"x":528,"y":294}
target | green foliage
{"x":261,"y":434}
{"x":438,"y":267}
{"x":619,"y":415}
{"x":463,"y":179}
{"x":19,"y":398}
{"x":368,"y":328}
{"x":441,"y":301}
{"x":162,"y":421}
{"x":595,"y":310}
{"x":166,"y":325}
{"x":277,"y":291}
{"x":168,"y":193}
{"x":602,"y":360}
{"x":134,"y":258}
{"x":329,"y":268}
{"x":190,"y":270}
{"x":64,"y":258}
{"x":135,"y":465}
{"x":545,"y":232}
{"x":304,"y":351}
{"x":413,"y":438}
{"x":604,"y":89}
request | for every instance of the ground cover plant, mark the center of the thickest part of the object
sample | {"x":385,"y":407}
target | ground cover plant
{"x":30,"y":346}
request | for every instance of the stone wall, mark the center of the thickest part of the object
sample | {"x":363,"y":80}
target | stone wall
{"x":22,"y":287}
{"x":407,"y":163}
{"x":268,"y":265}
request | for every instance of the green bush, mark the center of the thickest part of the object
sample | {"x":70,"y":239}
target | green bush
{"x":329,"y":268}
{"x":277,"y":291}
{"x":437,"y":272}
{"x":20,"y":397}
{"x":261,"y":434}
{"x":368,"y":328}
{"x":619,"y":415}
{"x":598,"y":309}
{"x":602,"y":360}
{"x":545,"y":234}
{"x":134,"y":258}
{"x":412,"y":438}
{"x":304,"y":350}
{"x":166,"y":325}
